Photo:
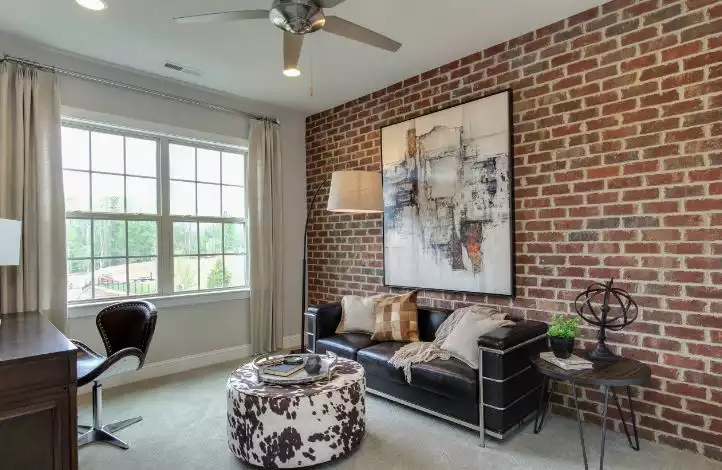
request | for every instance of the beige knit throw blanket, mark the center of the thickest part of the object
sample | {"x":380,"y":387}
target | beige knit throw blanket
{"x":419,"y":352}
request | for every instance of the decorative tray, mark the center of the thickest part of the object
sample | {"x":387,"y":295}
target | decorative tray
{"x":328,"y":363}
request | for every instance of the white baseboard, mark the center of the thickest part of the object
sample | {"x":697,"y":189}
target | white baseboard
{"x":175,"y":366}
{"x":291,"y":342}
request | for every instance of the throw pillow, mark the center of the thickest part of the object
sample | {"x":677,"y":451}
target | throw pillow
{"x":397,"y":319}
{"x":358,"y":314}
{"x":462,"y":343}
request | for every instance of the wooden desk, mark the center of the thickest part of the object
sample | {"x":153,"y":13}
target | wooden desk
{"x":38,"y":409}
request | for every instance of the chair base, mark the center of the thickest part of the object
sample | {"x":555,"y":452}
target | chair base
{"x":103,"y":433}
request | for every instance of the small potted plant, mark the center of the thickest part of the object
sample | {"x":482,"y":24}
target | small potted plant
{"x":562,"y":332}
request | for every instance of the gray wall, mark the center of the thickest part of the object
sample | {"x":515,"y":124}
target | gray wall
{"x":192,"y":329}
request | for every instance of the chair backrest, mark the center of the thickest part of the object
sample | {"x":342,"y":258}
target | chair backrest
{"x":127,"y":325}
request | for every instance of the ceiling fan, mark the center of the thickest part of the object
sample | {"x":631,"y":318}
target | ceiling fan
{"x":297,"y":18}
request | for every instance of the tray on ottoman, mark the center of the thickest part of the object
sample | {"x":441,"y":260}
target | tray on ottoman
{"x":328,"y":363}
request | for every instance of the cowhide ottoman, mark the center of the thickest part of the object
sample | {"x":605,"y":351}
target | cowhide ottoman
{"x":275,"y":426}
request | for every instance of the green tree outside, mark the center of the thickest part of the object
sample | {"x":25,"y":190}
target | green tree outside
{"x":216,"y":278}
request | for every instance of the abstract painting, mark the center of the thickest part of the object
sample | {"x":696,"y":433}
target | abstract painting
{"x":448,"y":199}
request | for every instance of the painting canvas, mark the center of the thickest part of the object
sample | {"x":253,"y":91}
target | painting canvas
{"x":448,"y":199}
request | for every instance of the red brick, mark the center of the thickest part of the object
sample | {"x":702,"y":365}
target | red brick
{"x":682,"y":79}
{"x":682,"y":444}
{"x":658,"y":43}
{"x":659,"y":71}
{"x":694,"y":4}
{"x":681,"y":220}
{"x":683,"y":50}
{"x":639,"y":36}
{"x":659,"y":207}
{"x":705,"y":29}
{"x":695,"y":205}
{"x":581,"y":66}
{"x":686,"y":390}
{"x":703,"y":60}
{"x":683,"y":417}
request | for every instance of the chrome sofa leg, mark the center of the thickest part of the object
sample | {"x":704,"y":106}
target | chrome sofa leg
{"x":99,"y":432}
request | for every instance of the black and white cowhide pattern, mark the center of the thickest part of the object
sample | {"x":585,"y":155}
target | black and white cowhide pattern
{"x":273,"y":426}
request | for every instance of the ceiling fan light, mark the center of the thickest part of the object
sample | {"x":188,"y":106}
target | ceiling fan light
{"x":292,"y":72}
{"x":95,"y":5}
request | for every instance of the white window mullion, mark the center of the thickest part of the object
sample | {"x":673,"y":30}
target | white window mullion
{"x":165,"y":238}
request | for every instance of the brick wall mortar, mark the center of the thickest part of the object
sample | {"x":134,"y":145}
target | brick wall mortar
{"x":618,"y":172}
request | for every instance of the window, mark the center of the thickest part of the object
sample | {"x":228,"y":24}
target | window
{"x":149,"y":215}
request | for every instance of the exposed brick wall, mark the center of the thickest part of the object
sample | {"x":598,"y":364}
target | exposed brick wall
{"x":618,"y":165}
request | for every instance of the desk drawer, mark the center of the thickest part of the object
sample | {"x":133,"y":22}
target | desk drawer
{"x":37,"y":373}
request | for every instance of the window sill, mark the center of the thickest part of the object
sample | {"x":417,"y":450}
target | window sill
{"x":91,"y":309}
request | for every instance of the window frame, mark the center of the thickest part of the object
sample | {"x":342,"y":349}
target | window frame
{"x":164,"y":219}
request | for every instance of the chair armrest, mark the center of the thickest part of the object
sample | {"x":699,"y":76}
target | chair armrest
{"x":125,"y":360}
{"x":84,"y":348}
{"x":327,"y":319}
{"x":508,"y":337}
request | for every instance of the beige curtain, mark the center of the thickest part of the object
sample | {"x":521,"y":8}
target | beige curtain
{"x":265,"y":220}
{"x":31,"y":190}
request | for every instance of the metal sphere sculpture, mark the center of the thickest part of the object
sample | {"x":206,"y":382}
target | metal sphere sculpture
{"x":593,"y":305}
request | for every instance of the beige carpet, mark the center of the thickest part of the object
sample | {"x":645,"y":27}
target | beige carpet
{"x":184,"y":428}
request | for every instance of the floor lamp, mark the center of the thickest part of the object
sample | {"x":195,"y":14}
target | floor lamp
{"x":357,"y":192}
{"x":9,"y":245}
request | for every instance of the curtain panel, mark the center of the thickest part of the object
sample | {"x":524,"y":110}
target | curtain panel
{"x":265,"y":219}
{"x":31,"y":190}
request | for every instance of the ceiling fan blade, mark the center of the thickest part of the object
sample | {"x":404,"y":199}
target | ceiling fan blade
{"x":225,"y":16}
{"x":292,"y":44}
{"x":341,"y":27}
{"x":329,"y":3}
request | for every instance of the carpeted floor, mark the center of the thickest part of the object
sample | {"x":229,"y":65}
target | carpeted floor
{"x":184,"y":428}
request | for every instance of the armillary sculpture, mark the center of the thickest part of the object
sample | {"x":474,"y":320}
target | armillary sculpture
{"x":593,"y":305}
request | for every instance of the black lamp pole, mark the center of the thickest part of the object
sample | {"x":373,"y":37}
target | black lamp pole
{"x":305,"y":263}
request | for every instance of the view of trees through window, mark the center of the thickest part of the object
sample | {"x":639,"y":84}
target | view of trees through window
{"x":114,"y":225}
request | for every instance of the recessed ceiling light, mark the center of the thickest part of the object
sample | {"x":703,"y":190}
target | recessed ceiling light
{"x":292,"y":72}
{"x":95,"y":5}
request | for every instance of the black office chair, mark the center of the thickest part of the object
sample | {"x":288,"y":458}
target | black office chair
{"x":126,"y":329}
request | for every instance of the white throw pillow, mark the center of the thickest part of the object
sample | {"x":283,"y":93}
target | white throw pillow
{"x":462,"y":342}
{"x":358,"y":314}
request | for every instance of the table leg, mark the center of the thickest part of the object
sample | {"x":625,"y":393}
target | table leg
{"x":605,"y":390}
{"x":634,"y":445}
{"x":545,"y":395}
{"x":579,"y":422}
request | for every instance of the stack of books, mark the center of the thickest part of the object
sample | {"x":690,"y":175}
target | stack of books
{"x":571,"y":363}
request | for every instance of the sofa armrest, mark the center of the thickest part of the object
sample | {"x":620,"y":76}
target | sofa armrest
{"x":508,"y":337}
{"x":327,"y":319}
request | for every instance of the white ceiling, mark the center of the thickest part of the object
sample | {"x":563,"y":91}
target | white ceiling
{"x":244,"y":58}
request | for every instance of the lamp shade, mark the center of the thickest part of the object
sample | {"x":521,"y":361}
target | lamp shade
{"x":355,"y":191}
{"x":9,"y":242}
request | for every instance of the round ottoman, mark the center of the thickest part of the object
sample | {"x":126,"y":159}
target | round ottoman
{"x":275,"y":426}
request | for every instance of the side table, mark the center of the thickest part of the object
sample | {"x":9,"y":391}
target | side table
{"x":623,"y":373}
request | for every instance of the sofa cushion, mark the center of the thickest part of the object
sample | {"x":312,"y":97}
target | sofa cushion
{"x":450,"y":378}
{"x":375,"y":361}
{"x":345,"y":345}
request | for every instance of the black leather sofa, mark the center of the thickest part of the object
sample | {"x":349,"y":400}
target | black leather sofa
{"x":446,"y":389}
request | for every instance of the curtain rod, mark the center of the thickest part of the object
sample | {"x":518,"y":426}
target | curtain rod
{"x":134,"y":88}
